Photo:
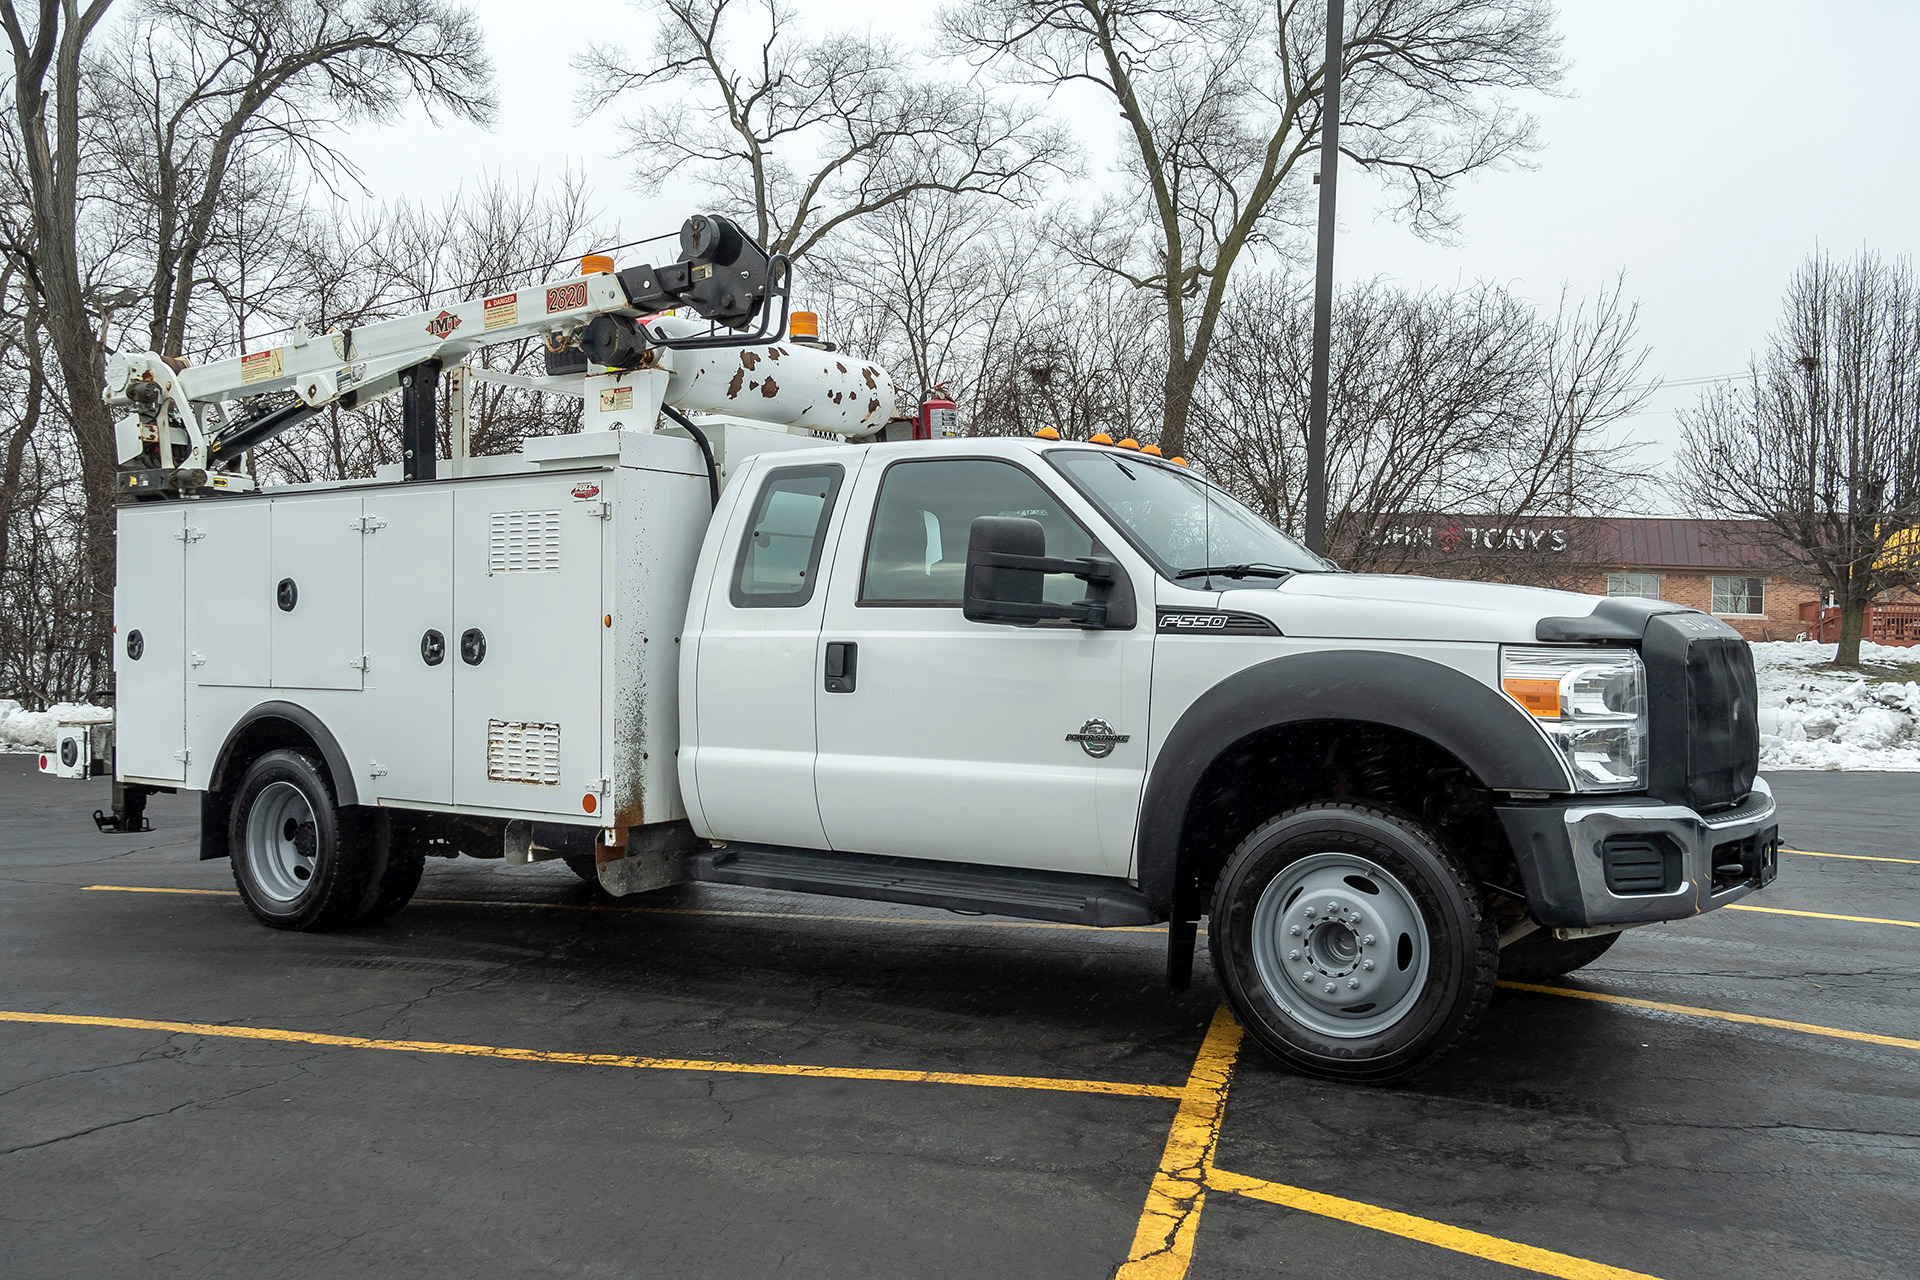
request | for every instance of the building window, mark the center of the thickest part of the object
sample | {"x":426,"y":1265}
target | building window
{"x":1740,"y":595}
{"x":1634,"y":584}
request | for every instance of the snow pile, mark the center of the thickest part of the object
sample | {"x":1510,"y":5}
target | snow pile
{"x":1819,"y":719}
{"x":33,"y":731}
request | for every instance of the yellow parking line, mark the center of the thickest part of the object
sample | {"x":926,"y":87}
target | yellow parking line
{"x":1109,"y":1087}
{"x":957,"y":922}
{"x":1438,"y":1234}
{"x":1163,"y":1241}
{"x":1857,"y":857}
{"x":1690,"y":1011}
{"x":1822,"y":915}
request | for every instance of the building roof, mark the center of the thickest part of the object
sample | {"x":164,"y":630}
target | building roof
{"x":1662,"y":542}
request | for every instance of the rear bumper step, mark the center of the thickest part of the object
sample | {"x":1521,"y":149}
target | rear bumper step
{"x":957,"y":886}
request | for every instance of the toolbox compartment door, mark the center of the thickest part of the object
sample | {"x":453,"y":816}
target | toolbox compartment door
{"x":149,"y":598}
{"x":409,"y":594}
{"x":525,"y":646}
{"x":316,"y":549}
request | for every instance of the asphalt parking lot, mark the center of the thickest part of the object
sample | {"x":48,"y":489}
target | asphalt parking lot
{"x":517,"y":1075}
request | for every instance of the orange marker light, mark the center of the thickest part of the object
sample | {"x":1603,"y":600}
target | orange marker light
{"x":803,"y":324}
{"x":1540,"y":697}
{"x":1153,"y":449}
{"x":607,"y":621}
{"x":1129,"y":443}
{"x":589,"y":803}
{"x":1047,"y":433}
{"x":1178,"y":462}
{"x":596,"y":264}
{"x":1099,"y":437}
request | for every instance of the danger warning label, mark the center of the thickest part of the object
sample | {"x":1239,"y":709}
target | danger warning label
{"x":614,"y":399}
{"x":260,"y":366}
{"x":501,"y":311}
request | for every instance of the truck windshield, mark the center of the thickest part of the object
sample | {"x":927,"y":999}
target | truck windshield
{"x":1181,"y":522}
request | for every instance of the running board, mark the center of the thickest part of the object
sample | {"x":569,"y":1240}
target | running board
{"x":958,"y":886}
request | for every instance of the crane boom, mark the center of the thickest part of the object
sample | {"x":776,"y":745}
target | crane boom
{"x":189,"y":427}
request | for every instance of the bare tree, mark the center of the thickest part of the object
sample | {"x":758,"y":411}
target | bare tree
{"x":1822,"y":443}
{"x":226,"y":76}
{"x":1445,"y":404}
{"x":1221,"y":100}
{"x":800,"y":137}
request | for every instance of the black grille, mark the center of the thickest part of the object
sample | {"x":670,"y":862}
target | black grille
{"x":1702,"y":710}
{"x":1641,"y":864}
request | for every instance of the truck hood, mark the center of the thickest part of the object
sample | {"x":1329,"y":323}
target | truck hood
{"x":1382,"y":606}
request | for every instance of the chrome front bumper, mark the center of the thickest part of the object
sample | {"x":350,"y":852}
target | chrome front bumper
{"x":1716,"y":858}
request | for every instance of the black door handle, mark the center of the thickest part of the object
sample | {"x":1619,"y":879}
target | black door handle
{"x":433,"y":648}
{"x":473,"y":646}
{"x":843,"y":657}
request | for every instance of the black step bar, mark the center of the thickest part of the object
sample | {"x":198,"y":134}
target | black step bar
{"x":1100,"y":901}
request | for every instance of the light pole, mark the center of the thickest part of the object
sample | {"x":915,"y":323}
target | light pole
{"x":1323,"y":286}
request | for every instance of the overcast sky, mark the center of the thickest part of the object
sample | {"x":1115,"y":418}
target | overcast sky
{"x":1705,"y":147}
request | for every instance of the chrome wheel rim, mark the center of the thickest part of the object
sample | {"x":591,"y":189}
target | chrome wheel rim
{"x":1340,"y":945}
{"x":282,"y":840}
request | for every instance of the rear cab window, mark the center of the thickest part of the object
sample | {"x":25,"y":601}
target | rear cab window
{"x":778,"y":562}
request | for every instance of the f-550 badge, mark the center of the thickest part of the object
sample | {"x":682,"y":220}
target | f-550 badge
{"x":1097,"y":739}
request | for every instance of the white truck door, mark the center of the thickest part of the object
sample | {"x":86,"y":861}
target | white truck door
{"x":943,"y":738}
{"x":524,"y":645}
{"x":411,"y":647}
{"x":317,"y":640}
{"x":149,"y":644}
{"x":756,"y":666}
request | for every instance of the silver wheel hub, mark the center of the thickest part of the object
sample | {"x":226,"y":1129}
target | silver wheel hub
{"x":282,"y":841}
{"x":1340,"y":945}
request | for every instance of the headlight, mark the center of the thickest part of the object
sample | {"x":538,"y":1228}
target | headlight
{"x":1592,"y":703}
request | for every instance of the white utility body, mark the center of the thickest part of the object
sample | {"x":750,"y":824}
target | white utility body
{"x":782,"y":647}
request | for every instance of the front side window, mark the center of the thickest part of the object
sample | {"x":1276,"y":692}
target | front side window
{"x":1634,"y":584}
{"x":779,"y":557}
{"x":1177,"y":519}
{"x":917,"y":552}
{"x":1740,"y":596}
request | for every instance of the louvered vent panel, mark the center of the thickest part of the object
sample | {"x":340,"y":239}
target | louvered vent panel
{"x":523,"y":751}
{"x":524,"y":542}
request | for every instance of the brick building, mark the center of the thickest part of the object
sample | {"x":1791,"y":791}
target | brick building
{"x":1725,"y":567}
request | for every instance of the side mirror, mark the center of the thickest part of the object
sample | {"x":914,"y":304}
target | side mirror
{"x":1007,"y":568}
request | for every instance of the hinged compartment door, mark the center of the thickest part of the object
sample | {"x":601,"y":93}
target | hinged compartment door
{"x":412,"y":649}
{"x":230,"y":581}
{"x":149,"y":618}
{"x":317,"y":643}
{"x":525,"y":647}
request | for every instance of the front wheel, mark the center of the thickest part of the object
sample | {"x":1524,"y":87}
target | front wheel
{"x":1351,"y":942}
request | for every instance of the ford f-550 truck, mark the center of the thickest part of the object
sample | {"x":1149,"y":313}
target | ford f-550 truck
{"x":779,"y":647}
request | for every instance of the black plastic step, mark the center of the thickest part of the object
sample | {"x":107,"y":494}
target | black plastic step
{"x":958,"y":886}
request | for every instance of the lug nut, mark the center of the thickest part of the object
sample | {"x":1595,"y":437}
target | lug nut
{"x":1307,"y":976}
{"x":1353,"y":984}
{"x":1295,"y":931}
{"x":1309,"y":913}
{"x":1294,"y":954}
{"x":1366,"y":964}
{"x":1367,"y":941}
{"x":1329,"y":988}
{"x":1333,"y":908}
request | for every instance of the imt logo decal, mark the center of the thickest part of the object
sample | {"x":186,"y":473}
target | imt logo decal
{"x":443,"y":324}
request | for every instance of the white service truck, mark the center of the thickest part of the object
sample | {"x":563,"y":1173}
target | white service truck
{"x":780,"y":646}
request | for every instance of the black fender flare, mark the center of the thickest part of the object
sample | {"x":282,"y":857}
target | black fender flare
{"x":213,"y":801}
{"x":1482,"y":729}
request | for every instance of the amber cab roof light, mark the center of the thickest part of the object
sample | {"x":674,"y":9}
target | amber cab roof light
{"x":1047,"y":433}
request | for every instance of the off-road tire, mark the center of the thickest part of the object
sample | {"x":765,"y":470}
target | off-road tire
{"x":1540,"y":955}
{"x":342,"y":852}
{"x":1461,"y":942}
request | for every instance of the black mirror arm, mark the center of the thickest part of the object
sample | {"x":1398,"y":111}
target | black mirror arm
{"x":1086,"y":568}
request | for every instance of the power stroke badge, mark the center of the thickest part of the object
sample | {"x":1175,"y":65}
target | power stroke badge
{"x":1097,"y":739}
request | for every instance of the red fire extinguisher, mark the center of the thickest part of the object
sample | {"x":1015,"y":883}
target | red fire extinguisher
{"x":939,"y":417}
